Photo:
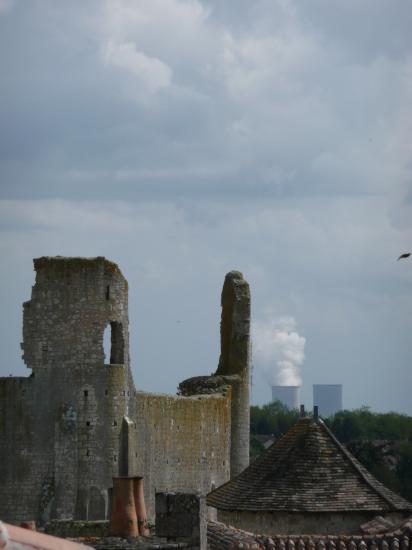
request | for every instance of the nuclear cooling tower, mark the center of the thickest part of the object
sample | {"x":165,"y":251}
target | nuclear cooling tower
{"x":328,"y":398}
{"x":287,"y":395}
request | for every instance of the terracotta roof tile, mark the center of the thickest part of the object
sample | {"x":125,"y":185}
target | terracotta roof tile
{"x":225,"y":537}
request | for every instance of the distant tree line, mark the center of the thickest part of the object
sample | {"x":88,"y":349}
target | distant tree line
{"x":382,"y":442}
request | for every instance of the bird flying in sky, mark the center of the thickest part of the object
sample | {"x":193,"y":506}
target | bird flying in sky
{"x":406,"y":255}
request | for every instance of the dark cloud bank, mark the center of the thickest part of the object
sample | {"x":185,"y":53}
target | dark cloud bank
{"x":185,"y":138}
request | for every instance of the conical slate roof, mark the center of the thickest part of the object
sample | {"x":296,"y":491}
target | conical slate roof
{"x":307,"y":470}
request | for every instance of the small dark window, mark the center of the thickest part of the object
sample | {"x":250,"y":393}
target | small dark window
{"x":108,"y":292}
{"x":114,"y":422}
{"x":114,"y":458}
{"x":86,"y":393}
{"x":106,"y":392}
{"x":87,"y":423}
{"x":87,"y":452}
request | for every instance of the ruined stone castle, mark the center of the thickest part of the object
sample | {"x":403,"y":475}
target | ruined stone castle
{"x":76,"y":422}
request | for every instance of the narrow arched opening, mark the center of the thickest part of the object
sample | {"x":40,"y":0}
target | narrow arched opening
{"x":113,"y":343}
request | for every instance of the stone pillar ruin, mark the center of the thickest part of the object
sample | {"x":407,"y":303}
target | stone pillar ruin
{"x":233,"y":369}
{"x":234,"y":360}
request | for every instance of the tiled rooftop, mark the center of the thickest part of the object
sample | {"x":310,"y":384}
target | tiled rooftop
{"x":223,"y":537}
{"x":307,"y":470}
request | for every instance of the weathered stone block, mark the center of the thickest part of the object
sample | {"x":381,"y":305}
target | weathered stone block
{"x":181,"y":516}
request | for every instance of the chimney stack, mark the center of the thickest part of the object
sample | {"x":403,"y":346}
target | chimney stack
{"x":315,"y":413}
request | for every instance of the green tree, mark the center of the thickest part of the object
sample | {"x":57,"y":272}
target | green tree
{"x":404,"y":469}
{"x":272,"y":419}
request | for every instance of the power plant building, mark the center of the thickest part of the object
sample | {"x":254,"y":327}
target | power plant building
{"x":328,"y":398}
{"x":287,"y":395}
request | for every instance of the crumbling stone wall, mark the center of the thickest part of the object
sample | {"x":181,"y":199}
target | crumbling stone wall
{"x":72,"y":302}
{"x":65,"y":418}
{"x":181,"y":517}
{"x":76,"y":422}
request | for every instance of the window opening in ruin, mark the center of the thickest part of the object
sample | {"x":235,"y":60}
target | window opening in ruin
{"x":108,"y":292}
{"x":87,"y":423}
{"x":86,"y":393}
{"x":113,"y":343}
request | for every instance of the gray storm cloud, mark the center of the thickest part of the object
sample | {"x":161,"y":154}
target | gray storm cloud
{"x":279,"y":350}
{"x":270,"y":139}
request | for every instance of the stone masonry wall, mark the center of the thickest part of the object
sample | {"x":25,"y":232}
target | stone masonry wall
{"x":183,"y":442}
{"x":22,"y":484}
{"x":65,"y":419}
{"x":76,"y":422}
{"x":72,"y":302}
{"x":297,"y":523}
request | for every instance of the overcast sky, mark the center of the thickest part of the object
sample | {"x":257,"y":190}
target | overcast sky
{"x":185,"y":138}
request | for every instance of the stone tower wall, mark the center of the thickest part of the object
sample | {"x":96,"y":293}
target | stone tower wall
{"x":72,"y":302}
{"x":66,"y":418}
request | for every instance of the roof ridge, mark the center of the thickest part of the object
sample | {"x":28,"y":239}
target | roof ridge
{"x":290,"y":448}
{"x":252,"y":466}
{"x":357,"y":467}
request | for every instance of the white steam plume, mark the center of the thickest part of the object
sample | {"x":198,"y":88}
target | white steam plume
{"x":279,"y":350}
